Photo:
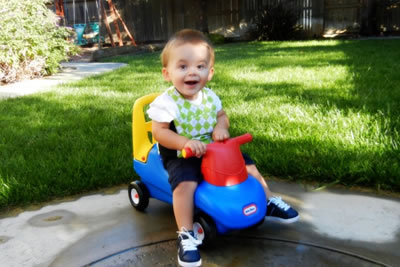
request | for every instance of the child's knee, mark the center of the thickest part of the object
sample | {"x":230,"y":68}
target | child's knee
{"x":252,"y":169}
{"x":185,"y":187}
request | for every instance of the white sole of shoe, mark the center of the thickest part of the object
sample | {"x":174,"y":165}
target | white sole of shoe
{"x":189,"y":264}
{"x":280,"y":220}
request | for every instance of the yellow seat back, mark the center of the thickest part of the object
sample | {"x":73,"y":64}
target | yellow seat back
{"x":142,"y":139}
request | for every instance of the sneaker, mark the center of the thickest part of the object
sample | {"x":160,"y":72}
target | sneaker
{"x":188,"y":255}
{"x":278,"y":210}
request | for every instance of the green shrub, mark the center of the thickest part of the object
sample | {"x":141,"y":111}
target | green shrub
{"x":216,"y":39}
{"x":275,"y":22}
{"x":31,"y":43}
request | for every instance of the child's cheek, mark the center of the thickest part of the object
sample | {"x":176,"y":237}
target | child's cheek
{"x":204,"y":72}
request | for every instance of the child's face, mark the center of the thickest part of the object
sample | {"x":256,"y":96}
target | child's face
{"x":189,"y":69}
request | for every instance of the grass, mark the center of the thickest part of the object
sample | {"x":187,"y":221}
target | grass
{"x":324,"y":111}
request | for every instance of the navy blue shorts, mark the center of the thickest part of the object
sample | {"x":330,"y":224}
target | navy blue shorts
{"x":183,"y":170}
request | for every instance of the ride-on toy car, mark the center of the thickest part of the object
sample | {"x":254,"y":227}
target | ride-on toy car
{"x":227,"y":199}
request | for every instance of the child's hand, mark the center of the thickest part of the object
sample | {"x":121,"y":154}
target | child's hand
{"x":198,"y":148}
{"x":220,"y":134}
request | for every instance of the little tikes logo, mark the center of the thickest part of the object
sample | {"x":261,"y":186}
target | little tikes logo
{"x":249,"y":209}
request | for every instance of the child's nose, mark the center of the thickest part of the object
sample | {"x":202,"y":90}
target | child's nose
{"x":192,"y":70}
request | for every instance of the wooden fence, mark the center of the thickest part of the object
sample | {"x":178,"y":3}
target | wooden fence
{"x":80,"y":11}
{"x":388,"y":16}
{"x":156,"y":20}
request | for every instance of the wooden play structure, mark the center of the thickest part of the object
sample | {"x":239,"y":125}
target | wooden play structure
{"x":89,"y":16}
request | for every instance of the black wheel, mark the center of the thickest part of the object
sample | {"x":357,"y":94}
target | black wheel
{"x":205,"y":229}
{"x":138,"y":195}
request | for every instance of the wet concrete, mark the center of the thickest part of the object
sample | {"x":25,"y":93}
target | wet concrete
{"x":239,"y":251}
{"x":336,"y":228}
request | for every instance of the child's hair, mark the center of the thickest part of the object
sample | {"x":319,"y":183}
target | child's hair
{"x":186,"y":36}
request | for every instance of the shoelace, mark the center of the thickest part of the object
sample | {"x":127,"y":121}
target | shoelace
{"x":190,"y":243}
{"x":280,"y":203}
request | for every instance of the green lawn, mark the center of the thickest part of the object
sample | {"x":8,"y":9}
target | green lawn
{"x":324,"y":111}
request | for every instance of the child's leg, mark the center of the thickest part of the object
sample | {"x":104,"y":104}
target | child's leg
{"x":253,"y":171}
{"x":184,"y":176}
{"x":183,"y":204}
{"x":277,"y":209}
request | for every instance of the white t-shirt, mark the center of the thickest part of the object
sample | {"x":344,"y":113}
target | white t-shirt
{"x":164,"y":108}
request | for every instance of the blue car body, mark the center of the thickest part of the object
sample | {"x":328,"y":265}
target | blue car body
{"x":231,"y":207}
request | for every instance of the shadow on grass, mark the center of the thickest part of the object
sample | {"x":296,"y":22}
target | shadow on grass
{"x":374,"y":74}
{"x":58,"y":144}
{"x":76,"y":139}
{"x":53,"y":147}
{"x":312,"y":159}
{"x":373,"y":88}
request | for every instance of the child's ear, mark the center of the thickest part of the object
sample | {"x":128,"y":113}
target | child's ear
{"x":165,"y":74}
{"x":211,"y":73}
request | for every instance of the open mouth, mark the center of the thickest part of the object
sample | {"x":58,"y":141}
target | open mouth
{"x":191,"y":82}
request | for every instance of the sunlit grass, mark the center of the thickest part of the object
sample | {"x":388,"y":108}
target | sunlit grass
{"x":324,"y":111}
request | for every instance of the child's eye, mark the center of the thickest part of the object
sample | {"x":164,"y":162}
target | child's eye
{"x":200,"y":67}
{"x":182,"y":67}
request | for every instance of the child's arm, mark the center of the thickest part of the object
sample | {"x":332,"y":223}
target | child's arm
{"x":172,"y":140}
{"x":221,"y":129}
